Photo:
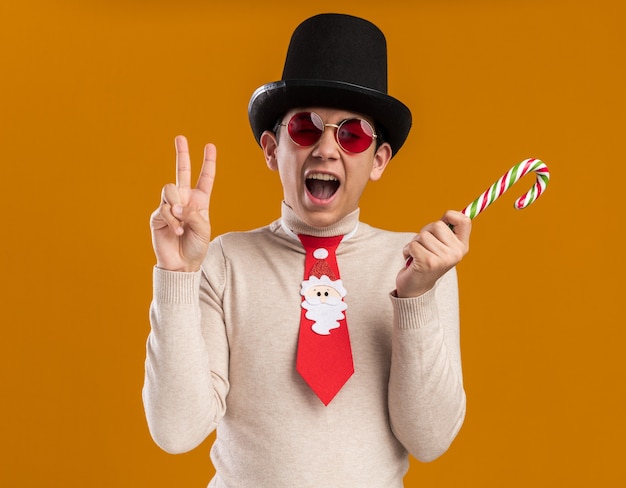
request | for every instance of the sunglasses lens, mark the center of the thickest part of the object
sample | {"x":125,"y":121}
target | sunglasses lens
{"x":355,"y":135}
{"x":305,"y":128}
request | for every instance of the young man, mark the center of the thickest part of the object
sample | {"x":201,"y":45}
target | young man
{"x":322,"y":350}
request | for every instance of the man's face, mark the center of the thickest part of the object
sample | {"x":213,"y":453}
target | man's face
{"x":323,"y":183}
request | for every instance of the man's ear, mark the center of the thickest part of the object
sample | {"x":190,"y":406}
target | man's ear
{"x":381,"y":160}
{"x":269,"y":143}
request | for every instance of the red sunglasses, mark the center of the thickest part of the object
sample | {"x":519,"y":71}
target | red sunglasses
{"x":352,"y":135}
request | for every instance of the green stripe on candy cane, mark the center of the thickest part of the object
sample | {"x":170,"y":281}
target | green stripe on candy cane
{"x":505,"y":182}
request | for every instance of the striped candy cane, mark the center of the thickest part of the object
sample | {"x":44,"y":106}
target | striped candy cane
{"x":507,"y":180}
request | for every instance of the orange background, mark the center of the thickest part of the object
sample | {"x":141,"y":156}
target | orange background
{"x":93,"y":93}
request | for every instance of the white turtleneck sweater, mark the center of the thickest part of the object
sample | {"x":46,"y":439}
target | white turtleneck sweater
{"x":221,"y":355}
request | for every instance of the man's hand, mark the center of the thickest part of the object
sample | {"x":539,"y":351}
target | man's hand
{"x":180,"y":227}
{"x":434,"y":251}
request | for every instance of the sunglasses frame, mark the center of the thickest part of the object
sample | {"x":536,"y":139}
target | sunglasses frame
{"x":335,"y":126}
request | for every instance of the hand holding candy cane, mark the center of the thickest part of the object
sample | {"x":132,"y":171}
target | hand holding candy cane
{"x":504,"y":183}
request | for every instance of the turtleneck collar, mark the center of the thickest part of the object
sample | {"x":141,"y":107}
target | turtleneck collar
{"x":291,"y":222}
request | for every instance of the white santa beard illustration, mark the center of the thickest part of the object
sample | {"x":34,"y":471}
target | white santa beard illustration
{"x":326,"y":315}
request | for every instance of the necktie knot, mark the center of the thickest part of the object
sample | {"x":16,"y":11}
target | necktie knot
{"x":320,"y":255}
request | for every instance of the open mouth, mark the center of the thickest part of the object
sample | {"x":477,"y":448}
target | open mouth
{"x":322,"y":186}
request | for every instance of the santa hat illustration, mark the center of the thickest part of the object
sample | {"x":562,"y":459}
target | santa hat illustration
{"x":322,"y":274}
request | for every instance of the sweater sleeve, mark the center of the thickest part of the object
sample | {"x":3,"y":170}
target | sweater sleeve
{"x":186,"y":369}
{"x":426,"y":396}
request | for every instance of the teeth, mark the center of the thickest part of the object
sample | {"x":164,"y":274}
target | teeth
{"x":321,"y":176}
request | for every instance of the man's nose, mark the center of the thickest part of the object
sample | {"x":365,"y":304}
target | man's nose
{"x":327,"y":146}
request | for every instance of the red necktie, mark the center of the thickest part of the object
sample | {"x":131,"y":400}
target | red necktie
{"x":324,"y":353}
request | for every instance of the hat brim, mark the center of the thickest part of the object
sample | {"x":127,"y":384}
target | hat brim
{"x":271,"y":101}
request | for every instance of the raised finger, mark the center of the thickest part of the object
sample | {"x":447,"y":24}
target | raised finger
{"x":183,"y":163}
{"x":207,"y":173}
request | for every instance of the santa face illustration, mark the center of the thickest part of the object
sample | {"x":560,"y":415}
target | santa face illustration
{"x":323,"y":301}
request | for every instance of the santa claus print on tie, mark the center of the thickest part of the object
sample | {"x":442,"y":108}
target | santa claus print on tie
{"x":323,"y":296}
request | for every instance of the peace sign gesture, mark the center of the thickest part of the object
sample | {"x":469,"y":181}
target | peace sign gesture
{"x":180,"y":227}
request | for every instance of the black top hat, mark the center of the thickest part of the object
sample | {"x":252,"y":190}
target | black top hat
{"x":337,"y":61}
